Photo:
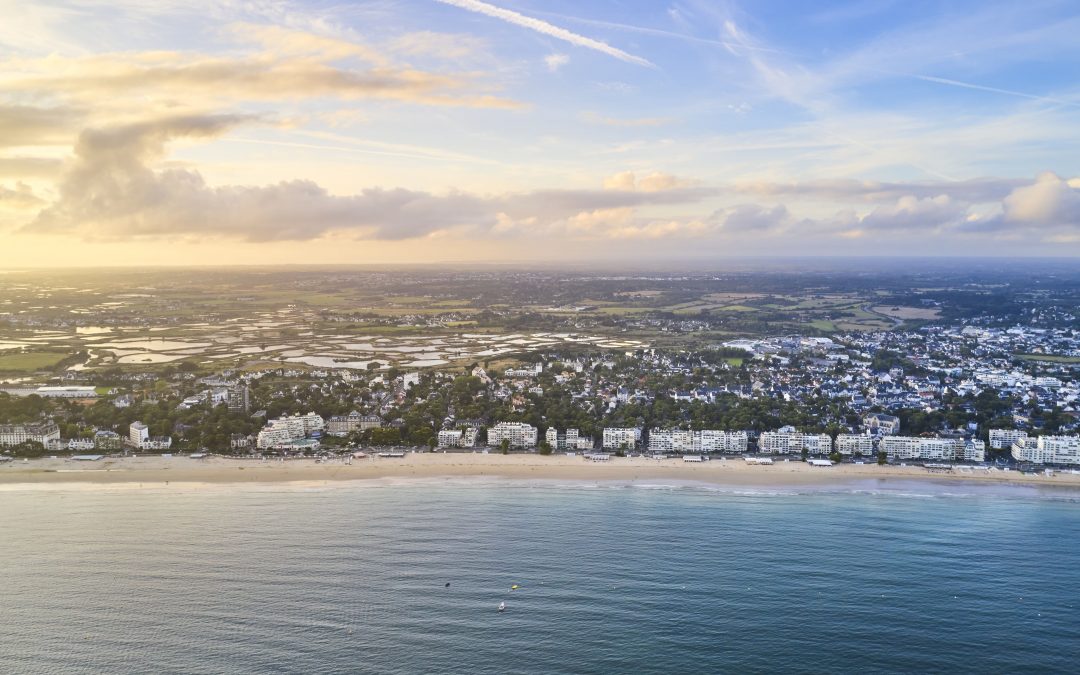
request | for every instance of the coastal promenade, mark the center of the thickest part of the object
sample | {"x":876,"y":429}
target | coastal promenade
{"x":155,"y":470}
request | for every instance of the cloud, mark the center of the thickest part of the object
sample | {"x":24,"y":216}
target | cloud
{"x":111,"y":191}
{"x":447,"y":46}
{"x":546,"y":28}
{"x":21,"y":197}
{"x":291,"y":65}
{"x":624,"y":122}
{"x":1050,"y":200}
{"x":911,"y":214}
{"x":556,"y":61}
{"x":29,"y":167}
{"x":656,"y":181}
{"x":977,"y":190}
{"x":24,"y":125}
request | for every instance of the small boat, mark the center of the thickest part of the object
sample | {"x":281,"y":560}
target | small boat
{"x":502,"y":606}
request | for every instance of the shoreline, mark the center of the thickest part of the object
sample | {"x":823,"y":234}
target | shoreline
{"x":156,"y":471}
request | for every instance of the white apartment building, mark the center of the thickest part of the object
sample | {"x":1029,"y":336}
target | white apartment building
{"x":138,"y":433}
{"x":570,"y":440}
{"x":849,"y":444}
{"x":945,"y":449}
{"x":1004,"y":438}
{"x":275,"y":435}
{"x":974,"y":451}
{"x":713,"y":440}
{"x":284,"y":430}
{"x":788,"y":442}
{"x":1048,"y":450}
{"x":457,"y":438}
{"x":697,"y":442}
{"x":16,"y":434}
{"x":671,"y":441}
{"x":622,"y":437}
{"x":519,"y":434}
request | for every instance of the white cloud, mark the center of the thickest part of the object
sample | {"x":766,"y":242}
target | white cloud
{"x":656,"y":181}
{"x":556,"y":61}
{"x":1050,"y":200}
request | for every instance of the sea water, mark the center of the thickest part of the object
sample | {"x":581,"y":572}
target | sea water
{"x":680,"y":578}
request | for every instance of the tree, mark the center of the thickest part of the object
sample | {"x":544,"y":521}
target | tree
{"x":545,"y":448}
{"x":504,"y":445}
{"x":835,"y":457}
{"x":882,"y":458}
{"x":805,"y":453}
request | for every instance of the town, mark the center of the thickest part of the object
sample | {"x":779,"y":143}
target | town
{"x":966,"y":393}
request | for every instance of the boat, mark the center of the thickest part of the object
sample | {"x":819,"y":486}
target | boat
{"x":502,"y":606}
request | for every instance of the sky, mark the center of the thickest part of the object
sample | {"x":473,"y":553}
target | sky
{"x":179,"y":132}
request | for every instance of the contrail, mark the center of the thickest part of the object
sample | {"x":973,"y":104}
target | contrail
{"x":994,"y":90}
{"x":728,"y":44}
{"x":546,"y":28}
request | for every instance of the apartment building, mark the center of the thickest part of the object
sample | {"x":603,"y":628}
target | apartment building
{"x":16,"y":434}
{"x":789,"y":442}
{"x":704,"y":441}
{"x":943,"y":449}
{"x":622,"y":437}
{"x":1001,"y":439}
{"x":457,"y":438}
{"x":1048,"y":450}
{"x":519,"y":434}
{"x":852,"y":444}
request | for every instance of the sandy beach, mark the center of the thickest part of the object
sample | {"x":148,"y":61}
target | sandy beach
{"x":735,"y":472}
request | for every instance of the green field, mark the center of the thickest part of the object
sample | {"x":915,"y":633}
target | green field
{"x":1049,"y":358}
{"x":25,"y":362}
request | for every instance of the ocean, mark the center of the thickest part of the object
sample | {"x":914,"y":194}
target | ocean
{"x":612,"y":578}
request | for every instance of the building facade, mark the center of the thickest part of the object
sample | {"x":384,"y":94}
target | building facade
{"x":1048,"y":450}
{"x":17,"y":434}
{"x":789,"y":442}
{"x":938,"y":449}
{"x":855,"y":444}
{"x":1001,"y":439}
{"x":519,"y":434}
{"x":621,"y":437}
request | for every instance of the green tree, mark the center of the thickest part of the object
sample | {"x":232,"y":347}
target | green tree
{"x":882,"y":458}
{"x":504,"y":445}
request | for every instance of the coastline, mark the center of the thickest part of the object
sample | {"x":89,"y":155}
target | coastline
{"x":156,"y":471}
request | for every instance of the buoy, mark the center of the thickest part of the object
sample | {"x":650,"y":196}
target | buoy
{"x":514,"y":587}
{"x":447,"y":584}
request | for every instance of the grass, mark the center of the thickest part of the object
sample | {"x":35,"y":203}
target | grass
{"x":1049,"y":358}
{"x":30,"y":361}
{"x":823,"y":325}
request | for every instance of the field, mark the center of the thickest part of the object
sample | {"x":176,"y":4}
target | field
{"x":373,"y":318}
{"x":918,"y":313}
{"x":1049,"y":358}
{"x":28,"y":362}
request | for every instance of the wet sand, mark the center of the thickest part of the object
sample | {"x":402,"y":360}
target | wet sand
{"x":733,"y":472}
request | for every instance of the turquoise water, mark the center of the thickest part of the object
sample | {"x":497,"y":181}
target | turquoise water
{"x":614,"y":578}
